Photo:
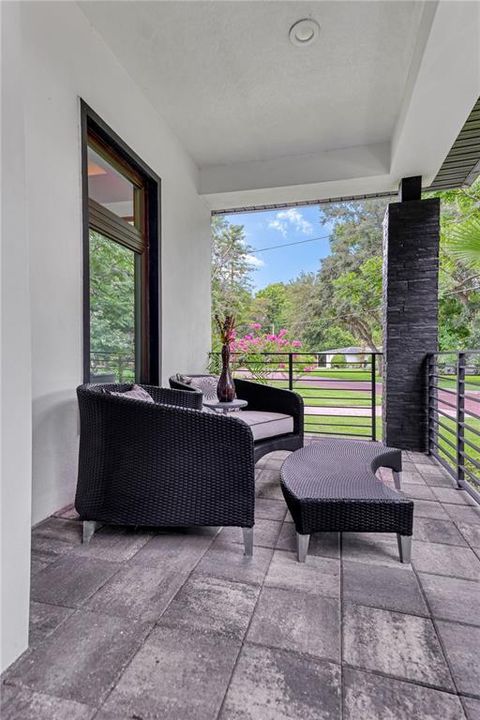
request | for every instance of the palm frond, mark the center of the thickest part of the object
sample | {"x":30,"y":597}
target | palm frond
{"x":463,"y":241}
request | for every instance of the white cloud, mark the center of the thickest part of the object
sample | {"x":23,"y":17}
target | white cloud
{"x":254,"y":261}
{"x":290,"y":218}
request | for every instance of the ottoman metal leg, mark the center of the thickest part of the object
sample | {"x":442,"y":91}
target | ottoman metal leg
{"x":302,"y":547}
{"x":89,"y":528}
{"x":396,"y":479}
{"x":248,"y":541}
{"x":404,"y":547}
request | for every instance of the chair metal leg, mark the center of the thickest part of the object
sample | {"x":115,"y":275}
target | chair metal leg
{"x":302,"y":547}
{"x":248,"y":541}
{"x":404,"y":547}
{"x":396,"y":479}
{"x":89,"y":528}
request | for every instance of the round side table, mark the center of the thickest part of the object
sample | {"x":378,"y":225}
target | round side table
{"x":225,"y":407}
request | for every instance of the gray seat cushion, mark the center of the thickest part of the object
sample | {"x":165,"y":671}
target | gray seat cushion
{"x":265,"y":424}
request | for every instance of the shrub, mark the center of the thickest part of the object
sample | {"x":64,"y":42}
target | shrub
{"x":338,"y":361}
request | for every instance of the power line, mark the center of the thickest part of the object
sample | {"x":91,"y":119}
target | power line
{"x":299,"y":242}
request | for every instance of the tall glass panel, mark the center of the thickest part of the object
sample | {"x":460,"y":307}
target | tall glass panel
{"x":112,"y":310}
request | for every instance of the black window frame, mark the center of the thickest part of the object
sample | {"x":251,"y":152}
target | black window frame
{"x":149,"y":349}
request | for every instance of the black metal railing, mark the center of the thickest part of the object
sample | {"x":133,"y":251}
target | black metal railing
{"x":114,"y":366}
{"x":342,"y":394}
{"x":454,"y":415}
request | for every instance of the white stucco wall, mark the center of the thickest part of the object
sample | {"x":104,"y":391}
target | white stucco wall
{"x":66,"y":59}
{"x":15,"y":377}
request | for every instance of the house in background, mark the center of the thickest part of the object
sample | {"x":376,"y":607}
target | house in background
{"x":353,"y":355}
{"x":204,"y":106}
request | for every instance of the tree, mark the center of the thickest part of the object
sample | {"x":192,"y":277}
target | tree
{"x":348,"y":286}
{"x":112,"y":297}
{"x":270,"y":306}
{"x":231,"y":271}
{"x":459,"y":281}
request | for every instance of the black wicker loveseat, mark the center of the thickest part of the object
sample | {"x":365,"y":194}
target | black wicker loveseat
{"x":163,"y":464}
{"x":265,"y":399}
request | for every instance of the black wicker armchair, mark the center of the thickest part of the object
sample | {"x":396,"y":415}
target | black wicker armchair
{"x":162,"y":464}
{"x":264,"y":399}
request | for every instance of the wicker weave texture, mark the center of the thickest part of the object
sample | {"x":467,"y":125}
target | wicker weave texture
{"x":266,"y":398}
{"x":165,"y":464}
{"x":331,"y":486}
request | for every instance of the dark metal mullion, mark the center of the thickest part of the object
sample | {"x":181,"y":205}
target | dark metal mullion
{"x":315,"y":432}
{"x":442,"y":413}
{"x":438,"y":435}
{"x":138,"y":318}
{"x":344,"y":425}
{"x":373,"y":397}
{"x":471,"y":414}
{"x":447,"y":390}
{"x":471,"y":429}
{"x":444,"y":402}
{"x":451,"y":457}
{"x":460,"y":415}
{"x":113,"y":227}
{"x":470,"y":460}
{"x":431,"y":397}
{"x":472,"y":444}
{"x":450,"y":430}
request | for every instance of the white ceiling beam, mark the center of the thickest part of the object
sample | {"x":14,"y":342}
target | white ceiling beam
{"x":443,"y":86}
{"x":301,"y":175}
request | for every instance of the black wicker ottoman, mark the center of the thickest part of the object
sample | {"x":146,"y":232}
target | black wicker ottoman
{"x":330,"y":485}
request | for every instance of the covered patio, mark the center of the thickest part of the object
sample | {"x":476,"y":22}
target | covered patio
{"x":145,"y":624}
{"x":209,"y":107}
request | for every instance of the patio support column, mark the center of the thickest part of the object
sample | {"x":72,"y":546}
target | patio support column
{"x":410,"y":313}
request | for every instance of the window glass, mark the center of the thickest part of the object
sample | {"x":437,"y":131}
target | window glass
{"x":109,"y":188}
{"x":112,"y":310}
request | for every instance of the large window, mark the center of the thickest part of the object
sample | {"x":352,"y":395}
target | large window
{"x":121,"y":211}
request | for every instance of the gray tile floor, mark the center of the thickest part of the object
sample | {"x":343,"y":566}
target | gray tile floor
{"x":177,"y":626}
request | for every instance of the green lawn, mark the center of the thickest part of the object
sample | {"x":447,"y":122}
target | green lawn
{"x":330,"y":397}
{"x":360,"y":427}
{"x":332,"y":425}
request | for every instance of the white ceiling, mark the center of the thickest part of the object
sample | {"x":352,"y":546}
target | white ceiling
{"x":227,"y":78}
{"x":240,"y":96}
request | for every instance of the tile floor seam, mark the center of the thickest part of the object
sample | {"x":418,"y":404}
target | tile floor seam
{"x":398,"y":678}
{"x":451,"y":577}
{"x":243,"y":642}
{"x":437,"y":633}
{"x":299,"y":653}
{"x":469,"y":696}
{"x":49,"y":694}
{"x":74,"y":610}
{"x":463,"y":535}
{"x":387,"y":609}
{"x":77,"y":607}
{"x":154,"y":625}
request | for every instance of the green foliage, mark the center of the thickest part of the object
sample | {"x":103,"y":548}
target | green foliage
{"x":112,"y":307}
{"x":271,"y":306}
{"x":346,"y":295}
{"x":231,"y":271}
{"x":340,"y":304}
{"x":338,"y":360}
{"x":459,"y":281}
{"x":464,"y":242}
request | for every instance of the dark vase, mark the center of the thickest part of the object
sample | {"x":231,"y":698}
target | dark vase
{"x":225,"y":387}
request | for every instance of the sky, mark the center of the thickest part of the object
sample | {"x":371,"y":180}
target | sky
{"x":281,"y":227}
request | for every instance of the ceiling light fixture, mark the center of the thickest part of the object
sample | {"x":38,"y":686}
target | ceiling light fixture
{"x":304,"y":32}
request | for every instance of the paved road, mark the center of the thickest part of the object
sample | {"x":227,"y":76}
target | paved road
{"x":472,"y":399}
